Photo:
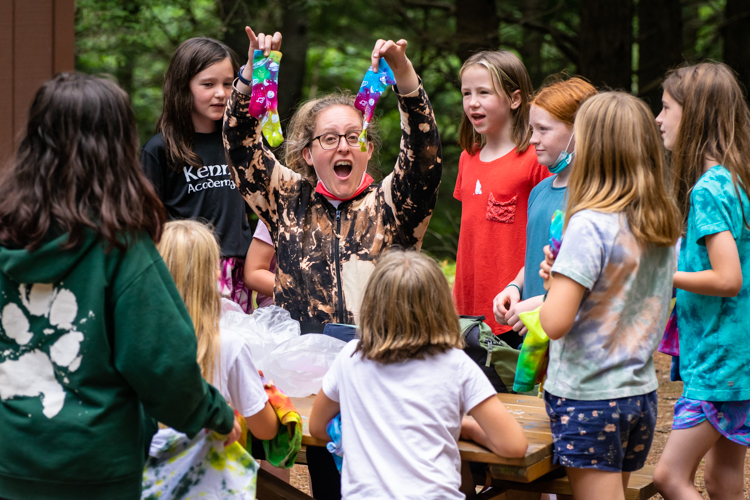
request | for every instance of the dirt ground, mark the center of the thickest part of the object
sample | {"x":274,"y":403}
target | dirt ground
{"x":669,"y":392}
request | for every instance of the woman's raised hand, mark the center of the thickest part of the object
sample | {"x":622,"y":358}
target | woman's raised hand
{"x":395,"y":54}
{"x":263,"y":42}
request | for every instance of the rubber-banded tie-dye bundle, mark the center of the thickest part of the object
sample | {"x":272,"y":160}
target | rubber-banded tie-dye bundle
{"x":334,"y":445}
{"x":264,"y":102}
{"x":282,"y":450}
{"x":373,"y":86}
{"x":532,"y":362}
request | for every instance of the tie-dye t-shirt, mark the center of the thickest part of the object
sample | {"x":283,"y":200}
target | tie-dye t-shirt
{"x":713,"y":330}
{"x":608,"y":352}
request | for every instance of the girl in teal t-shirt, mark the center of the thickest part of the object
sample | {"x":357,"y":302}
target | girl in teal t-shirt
{"x":705,"y":122}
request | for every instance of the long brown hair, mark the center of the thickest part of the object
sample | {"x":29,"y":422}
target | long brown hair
{"x":620,"y":167}
{"x":302,"y":129}
{"x":715,"y":123}
{"x":77,"y":167}
{"x":191,"y":253}
{"x":509,"y":74}
{"x":176,"y":123}
{"x":407,"y":310}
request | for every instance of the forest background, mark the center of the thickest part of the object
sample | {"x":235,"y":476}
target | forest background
{"x":617,"y":44}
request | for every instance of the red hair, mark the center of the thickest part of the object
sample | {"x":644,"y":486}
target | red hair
{"x":561,"y":99}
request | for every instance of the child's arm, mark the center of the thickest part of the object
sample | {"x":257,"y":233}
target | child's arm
{"x":495,"y":428}
{"x":724,"y":279}
{"x":558,"y":312}
{"x":508,"y":298}
{"x":258,"y":260}
{"x":324,"y":409}
{"x":513,"y":318}
{"x":265,"y":424}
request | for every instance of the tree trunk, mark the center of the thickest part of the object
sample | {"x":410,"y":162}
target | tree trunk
{"x":606,"y":43}
{"x":531,"y":49}
{"x":737,"y":39}
{"x":477,"y":26}
{"x":294,"y":63}
{"x":660,"y":44}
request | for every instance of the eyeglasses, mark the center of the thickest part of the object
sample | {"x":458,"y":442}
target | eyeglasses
{"x":332,"y":141}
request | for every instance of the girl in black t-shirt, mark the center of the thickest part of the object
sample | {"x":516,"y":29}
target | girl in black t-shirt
{"x":185,"y":159}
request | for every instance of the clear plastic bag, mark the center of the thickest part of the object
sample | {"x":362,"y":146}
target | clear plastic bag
{"x":263,"y":330}
{"x":298,"y":365}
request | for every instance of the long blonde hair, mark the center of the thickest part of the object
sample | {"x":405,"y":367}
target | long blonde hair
{"x":509,"y":74}
{"x":407,"y":310}
{"x":619,"y":167}
{"x":191,"y":253}
{"x":715,"y":123}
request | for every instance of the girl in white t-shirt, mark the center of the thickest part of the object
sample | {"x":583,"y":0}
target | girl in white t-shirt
{"x":191,"y":253}
{"x":404,"y":387}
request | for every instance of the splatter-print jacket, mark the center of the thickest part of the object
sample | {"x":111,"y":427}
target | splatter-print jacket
{"x":325,"y":255}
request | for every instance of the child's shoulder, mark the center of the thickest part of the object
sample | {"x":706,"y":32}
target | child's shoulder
{"x":717,"y":179}
{"x":156,"y":143}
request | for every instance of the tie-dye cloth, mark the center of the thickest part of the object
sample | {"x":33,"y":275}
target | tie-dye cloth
{"x":608,"y":353}
{"x":264,"y":104}
{"x":373,"y":86}
{"x":232,"y":283}
{"x":198,"y":468}
{"x":282,"y":450}
{"x":730,"y":418}
{"x":532,"y":362}
{"x":334,"y":446}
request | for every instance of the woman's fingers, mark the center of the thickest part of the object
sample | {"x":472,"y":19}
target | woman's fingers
{"x":375,"y":58}
{"x":263,"y":42}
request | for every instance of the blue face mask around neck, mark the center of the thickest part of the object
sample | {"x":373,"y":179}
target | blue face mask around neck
{"x":563,"y":159}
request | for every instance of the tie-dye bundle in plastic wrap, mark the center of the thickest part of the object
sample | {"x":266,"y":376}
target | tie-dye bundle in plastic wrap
{"x":264,"y":103}
{"x":334,"y":445}
{"x":555,"y":231}
{"x":373,"y":86}
{"x":532,"y":362}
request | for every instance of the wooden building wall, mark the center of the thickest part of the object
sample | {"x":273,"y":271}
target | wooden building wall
{"x":37,"y":40}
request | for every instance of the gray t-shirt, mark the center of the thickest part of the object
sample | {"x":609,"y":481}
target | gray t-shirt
{"x":609,"y":351}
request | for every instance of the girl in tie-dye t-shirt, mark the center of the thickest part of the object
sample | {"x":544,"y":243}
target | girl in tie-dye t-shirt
{"x":706,"y":124}
{"x":608,"y":297}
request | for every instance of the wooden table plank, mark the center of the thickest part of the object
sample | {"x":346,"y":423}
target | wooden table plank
{"x":530,"y":413}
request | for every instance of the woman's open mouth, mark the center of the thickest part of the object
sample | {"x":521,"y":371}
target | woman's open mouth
{"x":342,"y":169}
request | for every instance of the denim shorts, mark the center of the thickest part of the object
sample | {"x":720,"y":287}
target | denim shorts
{"x":613,"y":435}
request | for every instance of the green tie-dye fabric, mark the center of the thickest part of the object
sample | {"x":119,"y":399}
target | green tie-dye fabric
{"x":609,"y":351}
{"x":713,"y":330}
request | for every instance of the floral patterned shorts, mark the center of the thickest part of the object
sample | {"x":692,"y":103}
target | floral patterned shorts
{"x":612,"y":435}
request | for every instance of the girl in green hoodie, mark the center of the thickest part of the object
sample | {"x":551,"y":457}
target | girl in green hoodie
{"x":94,"y":336}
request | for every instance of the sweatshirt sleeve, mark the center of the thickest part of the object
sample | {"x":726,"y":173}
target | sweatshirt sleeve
{"x":259,"y":176}
{"x":152,"y":167}
{"x":411,"y":190}
{"x":155,"y":350}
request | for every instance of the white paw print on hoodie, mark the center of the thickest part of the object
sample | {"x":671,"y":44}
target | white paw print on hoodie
{"x":32,"y":374}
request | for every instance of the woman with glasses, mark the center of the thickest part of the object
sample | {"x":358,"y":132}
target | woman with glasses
{"x":328,"y":219}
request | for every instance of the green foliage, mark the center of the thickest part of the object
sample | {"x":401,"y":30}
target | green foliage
{"x":132,"y":40}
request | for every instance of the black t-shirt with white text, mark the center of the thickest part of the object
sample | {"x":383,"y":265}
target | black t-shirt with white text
{"x":207,"y":193}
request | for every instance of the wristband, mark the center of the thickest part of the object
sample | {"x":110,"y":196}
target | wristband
{"x":517,"y":288}
{"x":242,"y":78}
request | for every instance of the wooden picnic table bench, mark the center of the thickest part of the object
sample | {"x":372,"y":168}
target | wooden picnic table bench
{"x":510,"y":476}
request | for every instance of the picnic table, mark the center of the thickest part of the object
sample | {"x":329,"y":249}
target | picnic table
{"x":530,"y":413}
